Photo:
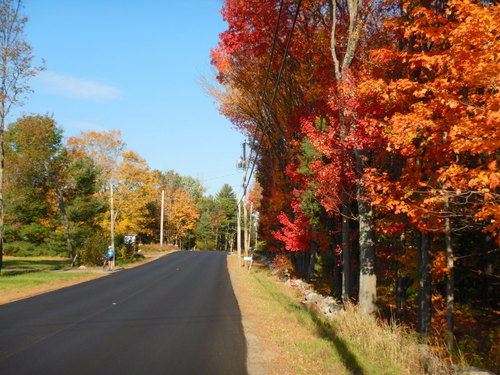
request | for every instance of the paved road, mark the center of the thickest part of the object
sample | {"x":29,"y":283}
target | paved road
{"x":177,"y":315}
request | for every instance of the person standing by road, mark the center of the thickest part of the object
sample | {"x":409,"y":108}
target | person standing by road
{"x":110,"y":254}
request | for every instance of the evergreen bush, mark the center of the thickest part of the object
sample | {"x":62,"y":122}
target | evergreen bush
{"x":93,"y":250}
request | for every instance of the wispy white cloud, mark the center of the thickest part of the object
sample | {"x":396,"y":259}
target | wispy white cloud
{"x":78,"y":87}
{"x":87,"y":126}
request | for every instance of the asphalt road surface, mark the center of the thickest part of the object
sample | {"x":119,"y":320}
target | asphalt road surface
{"x":177,"y":315}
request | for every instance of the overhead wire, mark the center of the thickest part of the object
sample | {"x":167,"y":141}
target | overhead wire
{"x":290,"y":35}
{"x":264,"y":89}
{"x":269,"y":65}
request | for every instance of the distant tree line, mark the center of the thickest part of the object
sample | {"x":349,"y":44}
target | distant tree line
{"x":57,"y":196}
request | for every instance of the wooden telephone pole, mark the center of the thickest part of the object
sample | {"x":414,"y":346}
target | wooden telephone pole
{"x":245,"y":213}
{"x":238,"y":233}
{"x":162,"y":216}
{"x":112,"y":221}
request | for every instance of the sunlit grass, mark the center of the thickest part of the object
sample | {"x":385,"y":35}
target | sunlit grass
{"x":351,"y":343}
{"x":21,"y":280}
{"x":36,"y":263}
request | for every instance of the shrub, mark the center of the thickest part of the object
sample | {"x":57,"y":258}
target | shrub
{"x":20,"y":249}
{"x":282,"y":265}
{"x":93,"y":250}
{"x":33,"y":232}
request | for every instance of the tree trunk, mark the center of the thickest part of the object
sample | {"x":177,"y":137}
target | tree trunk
{"x":62,"y":208}
{"x":424,"y":287}
{"x":337,"y":274}
{"x":312,"y":256}
{"x":367,"y":276}
{"x":346,"y":253}
{"x":449,"y":279}
{"x":489,"y":273}
{"x":217,"y":237}
{"x":402,"y":285}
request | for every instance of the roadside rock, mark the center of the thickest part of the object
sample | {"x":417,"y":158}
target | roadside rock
{"x":328,"y":307}
{"x":472,"y":371}
{"x":430,"y":361}
{"x":325,"y":306}
{"x":315,"y":302}
{"x":321,"y":305}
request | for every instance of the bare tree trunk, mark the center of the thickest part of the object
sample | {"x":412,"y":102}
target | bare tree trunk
{"x":312,"y":256}
{"x":217,"y":237}
{"x":367,"y":278}
{"x":402,"y":285}
{"x":424,"y":287}
{"x":346,"y":253}
{"x":62,"y":208}
{"x":449,"y":279}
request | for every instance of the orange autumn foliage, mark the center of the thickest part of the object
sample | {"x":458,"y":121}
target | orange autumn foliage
{"x":441,"y":115}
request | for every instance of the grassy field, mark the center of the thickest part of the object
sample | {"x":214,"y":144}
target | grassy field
{"x":303,"y":343}
{"x":19,"y":280}
{"x":23,"y":277}
{"x":36,"y":263}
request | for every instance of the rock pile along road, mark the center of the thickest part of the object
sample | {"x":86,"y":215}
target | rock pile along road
{"x":177,"y":315}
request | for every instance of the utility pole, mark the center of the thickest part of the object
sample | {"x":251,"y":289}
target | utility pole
{"x":238,"y":234}
{"x":256,"y":224}
{"x":112,"y":221}
{"x":245,"y":214}
{"x":250,"y":226}
{"x":162,"y":216}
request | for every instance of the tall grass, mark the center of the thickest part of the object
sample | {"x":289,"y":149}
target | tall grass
{"x":351,"y":343}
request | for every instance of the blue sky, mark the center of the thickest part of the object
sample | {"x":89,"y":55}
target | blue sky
{"x":135,"y":66}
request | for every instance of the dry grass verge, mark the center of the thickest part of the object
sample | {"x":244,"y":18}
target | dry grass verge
{"x":286,"y":338}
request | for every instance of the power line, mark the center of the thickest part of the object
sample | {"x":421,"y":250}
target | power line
{"x":263,"y":92}
{"x":259,"y":147}
{"x":271,"y":58}
{"x":218,"y":177}
{"x":273,"y":50}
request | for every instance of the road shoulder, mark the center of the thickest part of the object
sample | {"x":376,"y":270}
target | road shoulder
{"x":260,"y":353}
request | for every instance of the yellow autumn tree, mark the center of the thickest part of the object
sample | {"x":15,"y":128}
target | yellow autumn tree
{"x":104,"y":148}
{"x":135,"y":190}
{"x":182,"y":217}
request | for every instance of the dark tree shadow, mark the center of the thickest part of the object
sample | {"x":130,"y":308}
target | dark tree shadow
{"x":324,"y":329}
{"x":328,"y":332}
